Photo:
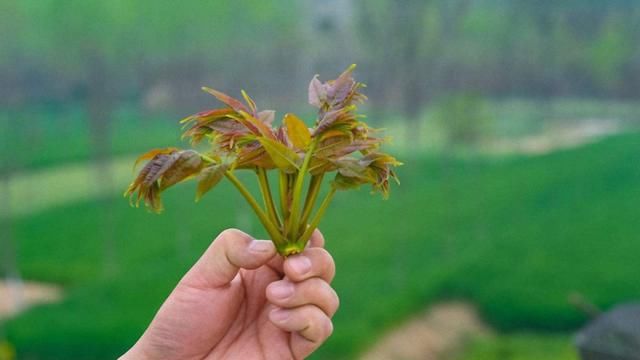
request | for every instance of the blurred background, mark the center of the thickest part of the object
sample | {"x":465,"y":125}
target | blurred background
{"x":517,"y":120}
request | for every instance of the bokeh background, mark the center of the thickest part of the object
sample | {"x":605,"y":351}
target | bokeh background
{"x":517,"y":121}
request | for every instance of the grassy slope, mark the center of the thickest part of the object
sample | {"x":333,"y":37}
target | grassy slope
{"x":523,"y":346}
{"x":44,"y":137}
{"x":515,"y":237}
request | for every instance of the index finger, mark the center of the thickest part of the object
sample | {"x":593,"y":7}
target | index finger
{"x":229,"y":252}
{"x":316,"y":241}
{"x":312,"y":262}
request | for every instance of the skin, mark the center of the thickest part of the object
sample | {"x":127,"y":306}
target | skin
{"x":243,"y":301}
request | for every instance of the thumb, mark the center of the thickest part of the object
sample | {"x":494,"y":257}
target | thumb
{"x":230,"y":251}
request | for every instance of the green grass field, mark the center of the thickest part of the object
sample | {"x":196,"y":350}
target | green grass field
{"x":523,"y":346}
{"x":42,"y":137}
{"x":515,"y":236}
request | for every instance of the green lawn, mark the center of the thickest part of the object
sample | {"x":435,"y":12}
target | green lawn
{"x":516,"y":237}
{"x":41,"y":137}
{"x":523,"y":346}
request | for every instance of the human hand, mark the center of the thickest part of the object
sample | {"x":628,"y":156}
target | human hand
{"x":242,"y":301}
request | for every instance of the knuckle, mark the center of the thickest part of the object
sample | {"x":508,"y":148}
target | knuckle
{"x":231,"y":232}
{"x":335,"y":301}
{"x":233,"y":236}
{"x":327,"y":328}
{"x":318,"y":237}
{"x":325,"y":264}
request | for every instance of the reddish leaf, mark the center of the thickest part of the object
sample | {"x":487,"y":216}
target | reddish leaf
{"x":342,"y":86}
{"x":188,"y":164}
{"x":259,"y":127}
{"x":254,"y":156}
{"x":164,"y":169}
{"x":208,"y":115}
{"x":210,"y":177}
{"x":231,"y":102}
{"x":267,"y":116}
{"x":152,"y":153}
{"x":317,"y":92}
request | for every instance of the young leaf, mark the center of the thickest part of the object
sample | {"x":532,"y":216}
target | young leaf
{"x":207,"y":116}
{"x":298,"y":132}
{"x":241,"y":137}
{"x":231,"y":102}
{"x":284,"y":158}
{"x":249,"y":101}
{"x":153,"y":153}
{"x":188,"y":164}
{"x":342,"y":86}
{"x":261,"y":128}
{"x":341,"y":182}
{"x":210,"y":177}
{"x":266,"y":116}
{"x":252,"y":156}
{"x":351,"y":168}
{"x":317,"y":92}
{"x":163,"y":170}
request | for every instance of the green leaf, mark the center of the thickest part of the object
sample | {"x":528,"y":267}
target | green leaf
{"x":249,"y":101}
{"x":342,"y":182}
{"x":297,"y":131}
{"x":210,"y":177}
{"x":351,"y":168}
{"x":284,"y":158}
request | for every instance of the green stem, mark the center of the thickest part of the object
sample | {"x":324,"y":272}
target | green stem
{"x":207,"y":158}
{"x":302,"y":241}
{"x":265,"y":189}
{"x":297,"y":192}
{"x":268,"y":225}
{"x":284,"y":195}
{"x":309,"y":202}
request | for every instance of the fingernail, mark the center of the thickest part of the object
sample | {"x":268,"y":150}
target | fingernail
{"x":279,"y":315}
{"x":300,"y":264}
{"x":282,"y":290}
{"x":260,"y":246}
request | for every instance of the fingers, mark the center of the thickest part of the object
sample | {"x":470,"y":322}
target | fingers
{"x":314,"y":291}
{"x":310,"y":327}
{"x":230,"y":251}
{"x":313,"y":262}
{"x":317,"y":239}
{"x":304,"y":302}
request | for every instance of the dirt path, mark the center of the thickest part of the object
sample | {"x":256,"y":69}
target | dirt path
{"x":39,"y":190}
{"x":437,"y":334}
{"x":562,"y":136}
{"x":16,"y":296}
